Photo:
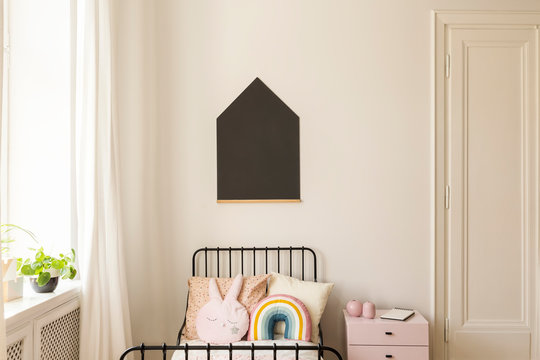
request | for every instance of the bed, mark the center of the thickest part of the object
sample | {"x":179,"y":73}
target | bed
{"x":296,"y":262}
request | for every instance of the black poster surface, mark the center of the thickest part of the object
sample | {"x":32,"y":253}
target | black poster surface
{"x":258,"y":150}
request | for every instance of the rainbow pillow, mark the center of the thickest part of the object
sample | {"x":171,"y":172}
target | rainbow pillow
{"x":276,"y":308}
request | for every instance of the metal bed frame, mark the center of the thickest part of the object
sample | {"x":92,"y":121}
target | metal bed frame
{"x":245,"y":254}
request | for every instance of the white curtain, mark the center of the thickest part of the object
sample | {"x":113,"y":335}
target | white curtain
{"x":105,"y":325}
{"x":3,"y":353}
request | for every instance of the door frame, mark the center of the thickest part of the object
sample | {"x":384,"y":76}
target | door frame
{"x":442,"y":21}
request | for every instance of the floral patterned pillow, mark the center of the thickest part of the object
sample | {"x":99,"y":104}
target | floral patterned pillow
{"x":253,"y":290}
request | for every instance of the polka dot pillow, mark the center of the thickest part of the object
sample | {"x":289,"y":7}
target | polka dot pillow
{"x":253,"y":290}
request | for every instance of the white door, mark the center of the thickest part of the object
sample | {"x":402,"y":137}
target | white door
{"x":491,"y":156}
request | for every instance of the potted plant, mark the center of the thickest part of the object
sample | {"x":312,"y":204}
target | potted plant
{"x":45,"y":270}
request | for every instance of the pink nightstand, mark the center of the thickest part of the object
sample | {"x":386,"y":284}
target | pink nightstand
{"x":369,"y":339}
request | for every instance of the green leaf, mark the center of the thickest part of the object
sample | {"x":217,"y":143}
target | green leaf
{"x":19,"y":263}
{"x":73,"y":252}
{"x":40,"y":255}
{"x":64,"y":271}
{"x":43,"y":278}
{"x":36,"y":264}
{"x":73,"y":273}
{"x":27,"y":270}
{"x":57,"y":264}
{"x":61,"y":255}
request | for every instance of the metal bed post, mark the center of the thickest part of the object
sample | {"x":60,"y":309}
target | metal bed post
{"x":217,"y":261}
{"x":290,"y":261}
{"x":230,"y":262}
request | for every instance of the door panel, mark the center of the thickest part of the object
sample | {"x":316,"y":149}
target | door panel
{"x":493,"y":230}
{"x":491,"y":169}
{"x":471,"y":345}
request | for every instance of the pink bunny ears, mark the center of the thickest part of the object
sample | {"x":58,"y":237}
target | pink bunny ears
{"x":233,"y":292}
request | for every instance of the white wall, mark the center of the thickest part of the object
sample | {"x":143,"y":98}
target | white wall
{"x":358,"y":73}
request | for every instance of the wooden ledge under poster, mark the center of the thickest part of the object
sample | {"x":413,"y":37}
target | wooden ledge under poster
{"x":258,"y":149}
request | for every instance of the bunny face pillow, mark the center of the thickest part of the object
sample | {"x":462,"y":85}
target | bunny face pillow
{"x":223,"y":321}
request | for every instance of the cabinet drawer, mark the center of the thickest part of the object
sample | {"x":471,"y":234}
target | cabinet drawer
{"x":387,"y":332}
{"x":388,"y":352}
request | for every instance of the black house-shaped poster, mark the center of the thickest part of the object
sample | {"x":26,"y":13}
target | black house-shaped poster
{"x":258,"y":150}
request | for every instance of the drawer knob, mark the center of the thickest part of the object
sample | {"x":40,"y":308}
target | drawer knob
{"x":388,"y":332}
{"x":389,"y":356}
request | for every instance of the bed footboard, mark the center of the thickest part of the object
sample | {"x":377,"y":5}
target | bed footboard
{"x":142,"y":349}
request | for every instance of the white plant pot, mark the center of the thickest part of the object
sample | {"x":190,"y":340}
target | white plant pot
{"x":53,"y":272}
{"x":9,"y":269}
{"x":13,"y":289}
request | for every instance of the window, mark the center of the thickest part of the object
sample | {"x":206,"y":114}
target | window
{"x":36,"y":162}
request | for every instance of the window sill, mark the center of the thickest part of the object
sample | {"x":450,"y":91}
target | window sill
{"x":33,"y":304}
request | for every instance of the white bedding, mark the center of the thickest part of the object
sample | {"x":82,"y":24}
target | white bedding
{"x":246,"y":354}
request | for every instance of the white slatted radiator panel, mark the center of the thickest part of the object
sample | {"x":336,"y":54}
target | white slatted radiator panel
{"x":15,"y":350}
{"x":59,"y":339}
{"x":44,"y":326}
{"x":58,"y":333}
{"x":19,"y":343}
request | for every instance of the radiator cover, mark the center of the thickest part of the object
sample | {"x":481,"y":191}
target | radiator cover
{"x":15,"y":350}
{"x":59,"y":339}
{"x":50,"y":335}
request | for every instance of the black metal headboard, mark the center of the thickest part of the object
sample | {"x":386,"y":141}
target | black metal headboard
{"x":243,"y":258}
{"x":237,"y":260}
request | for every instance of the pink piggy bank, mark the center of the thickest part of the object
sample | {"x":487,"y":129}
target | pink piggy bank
{"x":354,"y":308}
{"x":369,"y":310}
